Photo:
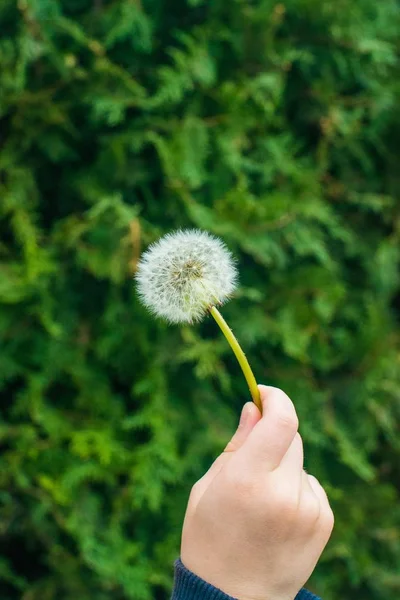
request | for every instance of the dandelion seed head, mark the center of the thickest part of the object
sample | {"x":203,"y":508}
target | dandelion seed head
{"x":184,"y":273}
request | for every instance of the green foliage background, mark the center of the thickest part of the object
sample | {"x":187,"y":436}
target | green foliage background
{"x":273,"y":125}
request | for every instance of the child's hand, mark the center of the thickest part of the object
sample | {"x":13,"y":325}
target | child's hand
{"x":256,"y":523}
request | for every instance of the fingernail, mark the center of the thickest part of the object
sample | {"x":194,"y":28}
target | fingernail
{"x":244,"y":416}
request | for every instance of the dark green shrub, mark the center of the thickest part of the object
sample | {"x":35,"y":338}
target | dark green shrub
{"x":273,"y":125}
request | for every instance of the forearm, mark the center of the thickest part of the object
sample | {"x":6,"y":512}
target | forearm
{"x":187,"y":586}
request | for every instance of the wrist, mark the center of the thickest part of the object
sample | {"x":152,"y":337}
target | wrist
{"x":189,"y":586}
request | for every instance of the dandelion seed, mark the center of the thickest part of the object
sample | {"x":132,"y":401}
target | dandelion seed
{"x":186,"y":275}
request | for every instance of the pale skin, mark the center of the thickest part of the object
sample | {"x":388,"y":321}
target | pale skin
{"x":256,"y":522}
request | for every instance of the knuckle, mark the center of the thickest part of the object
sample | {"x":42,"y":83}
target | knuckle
{"x":287,"y":419}
{"x":285,"y":503}
{"x":319,"y":513}
{"x":312,"y":510}
{"x":328,"y":519}
{"x":286,"y":412}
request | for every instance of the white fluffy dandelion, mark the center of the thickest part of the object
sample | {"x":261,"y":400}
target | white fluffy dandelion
{"x":184,"y":276}
{"x":185,"y":273}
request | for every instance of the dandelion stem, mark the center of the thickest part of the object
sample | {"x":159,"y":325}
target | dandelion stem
{"x":240,"y":355}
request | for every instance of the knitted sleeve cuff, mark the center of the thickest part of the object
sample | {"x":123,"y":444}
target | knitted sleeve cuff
{"x":306,"y":595}
{"x":188,"y":586}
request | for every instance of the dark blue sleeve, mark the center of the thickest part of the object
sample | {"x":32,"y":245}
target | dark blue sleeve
{"x":188,"y":586}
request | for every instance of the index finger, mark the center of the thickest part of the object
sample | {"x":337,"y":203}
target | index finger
{"x":272,"y":436}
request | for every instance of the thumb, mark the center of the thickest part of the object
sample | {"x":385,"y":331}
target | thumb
{"x":249,"y":417}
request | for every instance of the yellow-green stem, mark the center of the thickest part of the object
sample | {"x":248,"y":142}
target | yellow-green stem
{"x":240,"y":355}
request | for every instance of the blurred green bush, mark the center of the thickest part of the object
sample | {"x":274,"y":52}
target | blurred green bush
{"x":274,"y":125}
